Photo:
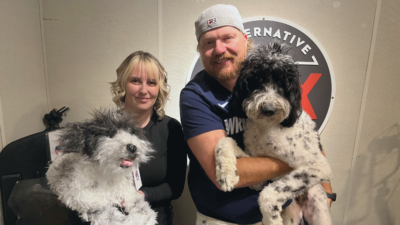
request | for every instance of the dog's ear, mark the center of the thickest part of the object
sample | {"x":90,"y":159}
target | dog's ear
{"x":93,"y":133}
{"x":240,"y":93}
{"x":72,"y":138}
{"x":294,"y":114}
{"x":250,"y":78}
{"x":289,"y":77}
{"x":83,"y":136}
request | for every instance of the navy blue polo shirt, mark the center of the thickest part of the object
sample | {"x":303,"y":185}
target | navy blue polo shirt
{"x":204,"y":107}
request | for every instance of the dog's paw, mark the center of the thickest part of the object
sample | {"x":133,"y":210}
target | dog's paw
{"x":271,"y":214}
{"x":225,"y":162}
{"x":226,"y":180}
{"x":273,"y":221}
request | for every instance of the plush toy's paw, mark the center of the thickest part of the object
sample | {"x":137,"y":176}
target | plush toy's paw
{"x":225,"y":162}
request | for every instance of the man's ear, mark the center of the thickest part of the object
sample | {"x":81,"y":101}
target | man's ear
{"x":245,"y":37}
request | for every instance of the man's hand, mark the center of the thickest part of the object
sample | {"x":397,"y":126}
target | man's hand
{"x":327,"y":186}
{"x":330,"y":202}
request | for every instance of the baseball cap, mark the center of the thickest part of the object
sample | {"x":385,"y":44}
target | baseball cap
{"x":218,"y":16}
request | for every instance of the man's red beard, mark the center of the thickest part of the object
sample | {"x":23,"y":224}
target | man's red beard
{"x":224,"y":74}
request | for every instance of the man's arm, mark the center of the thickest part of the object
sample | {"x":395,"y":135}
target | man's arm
{"x":327,"y":186}
{"x":251,"y":170}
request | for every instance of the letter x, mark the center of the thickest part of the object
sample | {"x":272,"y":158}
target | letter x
{"x":307,"y":86}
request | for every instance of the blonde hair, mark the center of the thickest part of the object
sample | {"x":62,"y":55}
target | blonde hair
{"x":154,"y":70}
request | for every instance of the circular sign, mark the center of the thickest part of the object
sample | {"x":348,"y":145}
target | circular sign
{"x":316,"y":73}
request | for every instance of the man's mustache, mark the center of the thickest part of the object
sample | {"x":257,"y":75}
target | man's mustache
{"x":225,"y":56}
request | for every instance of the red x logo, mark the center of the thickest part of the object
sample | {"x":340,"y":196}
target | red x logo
{"x":307,"y":86}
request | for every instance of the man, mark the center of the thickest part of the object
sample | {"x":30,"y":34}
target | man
{"x":206,"y":118}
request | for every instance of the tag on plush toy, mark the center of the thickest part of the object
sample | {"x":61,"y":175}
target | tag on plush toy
{"x":136,"y":177}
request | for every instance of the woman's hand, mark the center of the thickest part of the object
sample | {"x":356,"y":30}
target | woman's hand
{"x":123,"y":201}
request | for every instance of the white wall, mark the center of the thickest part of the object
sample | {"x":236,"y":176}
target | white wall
{"x":374,"y":193}
{"x":22,"y":78}
{"x":2,"y":138}
{"x":85,"y":41}
{"x":22,"y":72}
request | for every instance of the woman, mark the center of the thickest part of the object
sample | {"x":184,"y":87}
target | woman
{"x":141,"y":89}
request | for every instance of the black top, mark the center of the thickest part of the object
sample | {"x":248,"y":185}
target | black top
{"x":163,"y":177}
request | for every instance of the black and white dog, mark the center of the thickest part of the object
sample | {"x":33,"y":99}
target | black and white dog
{"x":94,"y":173}
{"x":268,"y":92}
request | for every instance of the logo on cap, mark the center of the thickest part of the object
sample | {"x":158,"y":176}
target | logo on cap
{"x":212,"y":21}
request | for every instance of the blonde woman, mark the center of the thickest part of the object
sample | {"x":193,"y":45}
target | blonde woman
{"x":141,"y":89}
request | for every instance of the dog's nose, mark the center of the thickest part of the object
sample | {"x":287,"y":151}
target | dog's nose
{"x":268,"y":110}
{"x":131,"y":148}
{"x":269,"y":113}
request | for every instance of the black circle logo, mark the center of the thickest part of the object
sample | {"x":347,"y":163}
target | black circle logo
{"x":317,"y":78}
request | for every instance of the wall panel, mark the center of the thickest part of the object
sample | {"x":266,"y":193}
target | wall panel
{"x":85,"y":43}
{"x":375,"y":193}
{"x":22,"y":78}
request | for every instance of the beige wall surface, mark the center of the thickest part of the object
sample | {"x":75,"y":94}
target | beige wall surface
{"x":2,"y":137}
{"x":1,"y":147}
{"x":22,"y":79}
{"x":375,"y":189}
{"x":85,"y":43}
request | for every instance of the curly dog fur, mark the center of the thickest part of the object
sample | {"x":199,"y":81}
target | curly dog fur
{"x":94,"y":173}
{"x":268,"y":92}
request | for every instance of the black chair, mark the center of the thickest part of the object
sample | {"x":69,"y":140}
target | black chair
{"x":25,"y":194}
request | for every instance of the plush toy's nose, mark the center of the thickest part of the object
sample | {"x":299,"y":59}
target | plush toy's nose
{"x":131,"y":148}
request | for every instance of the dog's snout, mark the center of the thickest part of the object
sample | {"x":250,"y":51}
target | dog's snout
{"x":131,"y":148}
{"x":268,"y":110}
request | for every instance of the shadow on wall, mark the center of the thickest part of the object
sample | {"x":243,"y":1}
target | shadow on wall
{"x":184,"y":208}
{"x":379,"y":177}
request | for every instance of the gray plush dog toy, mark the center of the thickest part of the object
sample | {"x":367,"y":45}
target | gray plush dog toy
{"x":94,"y":176}
{"x":268,"y":93}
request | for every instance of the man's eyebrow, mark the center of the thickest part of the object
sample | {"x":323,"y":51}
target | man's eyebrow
{"x":229,"y":34}
{"x":207,"y":39}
